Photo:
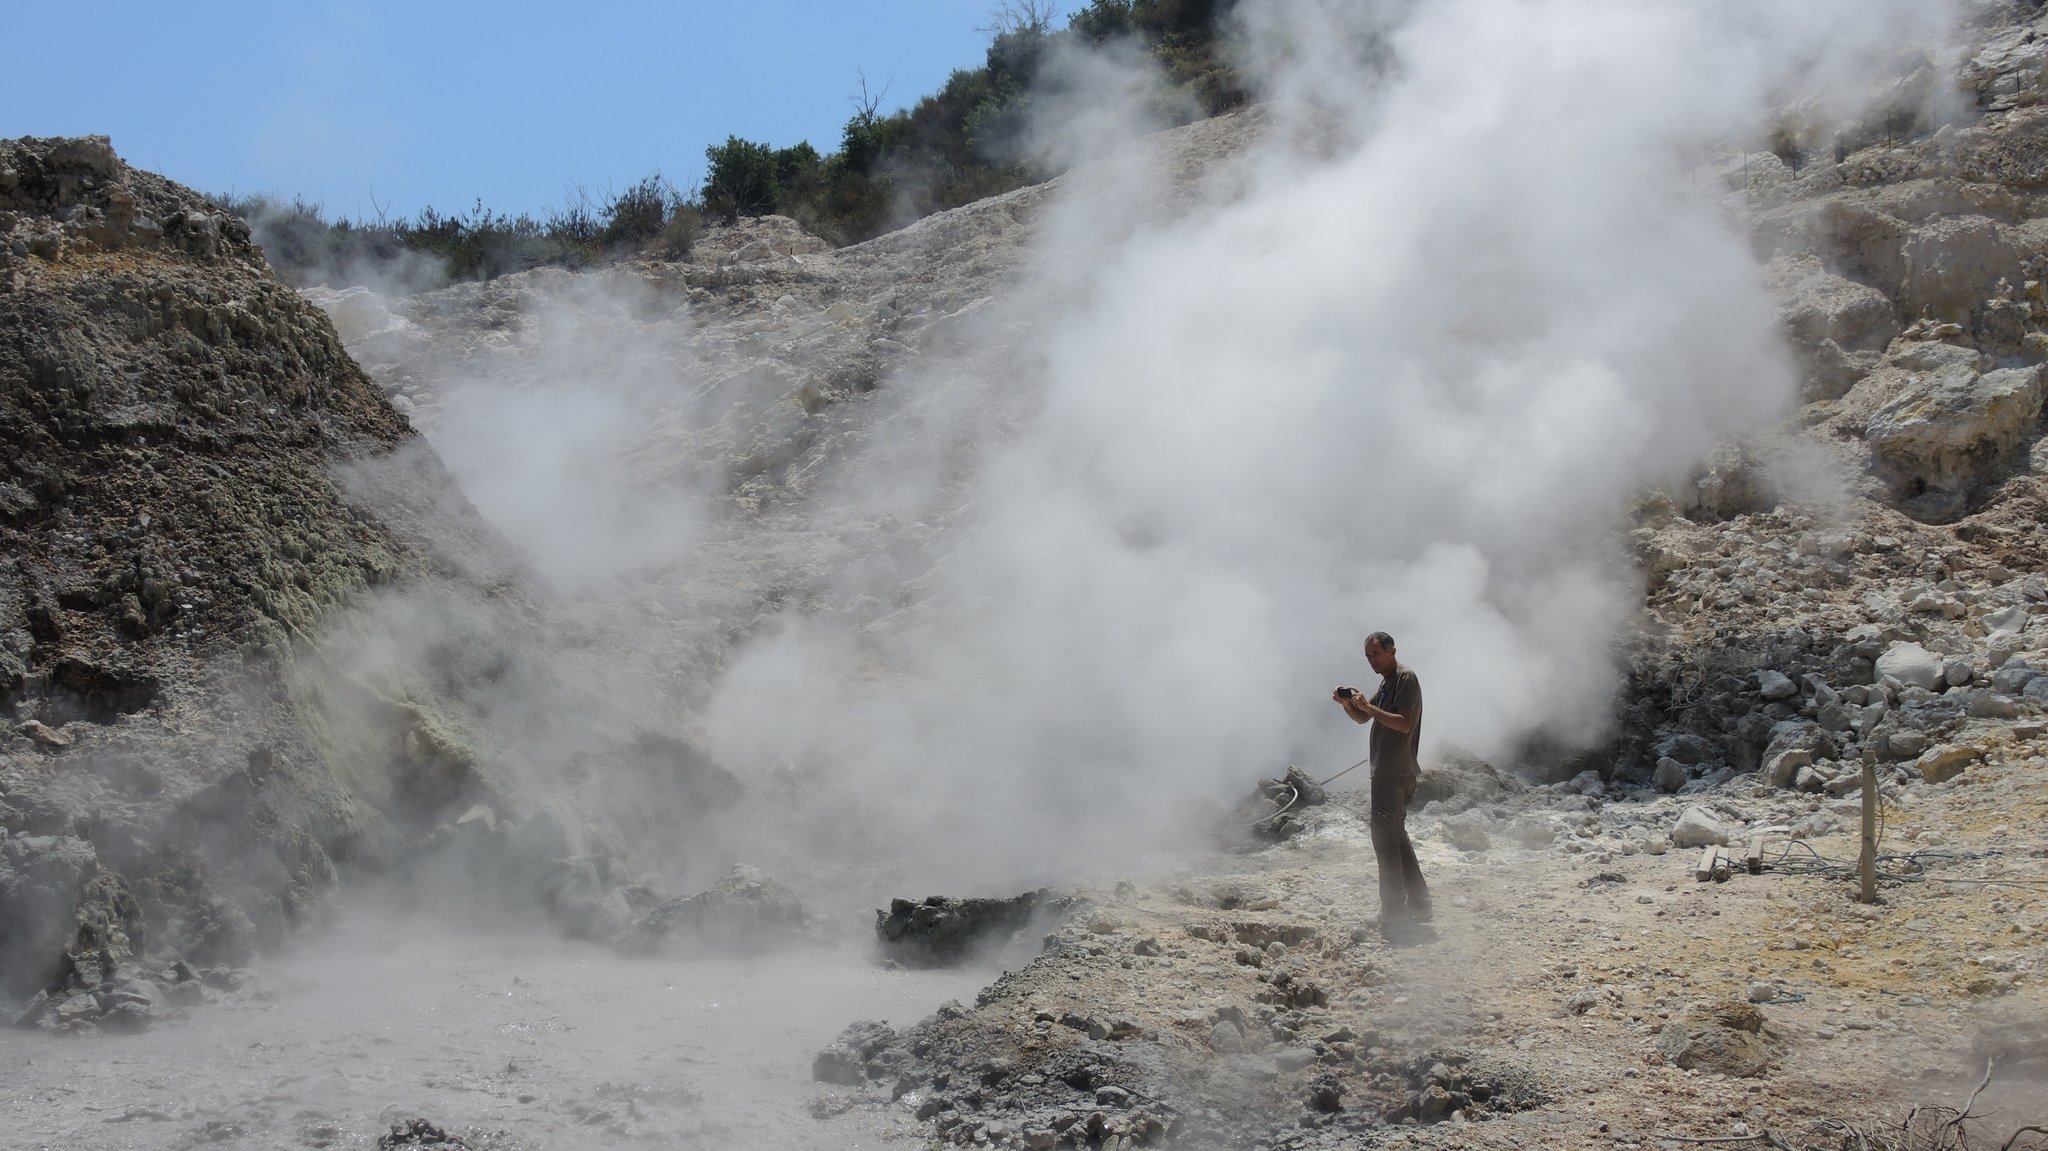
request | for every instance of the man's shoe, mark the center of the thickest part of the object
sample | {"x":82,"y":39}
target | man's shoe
{"x":1374,"y":924}
{"x":1407,"y":932}
{"x":1422,"y":913}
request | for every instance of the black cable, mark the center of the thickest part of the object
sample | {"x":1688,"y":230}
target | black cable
{"x":1295,"y":794}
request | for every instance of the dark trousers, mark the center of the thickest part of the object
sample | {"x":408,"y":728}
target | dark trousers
{"x":1402,"y":891}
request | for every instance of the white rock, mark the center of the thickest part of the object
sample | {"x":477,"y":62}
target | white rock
{"x":1951,"y":263}
{"x":1781,"y":769}
{"x":1775,"y":684}
{"x":2002,"y":646}
{"x":1695,"y":828}
{"x":1946,"y":427}
{"x":1818,"y":824}
{"x":1822,"y":306}
{"x":1533,"y":831}
{"x":1823,"y":695}
{"x":1958,"y":672}
{"x":2006,"y":621}
{"x":1912,"y":665}
{"x":1907,"y":744}
{"x":1466,"y":834}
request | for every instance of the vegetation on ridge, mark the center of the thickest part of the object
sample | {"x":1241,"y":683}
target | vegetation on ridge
{"x":950,"y":148}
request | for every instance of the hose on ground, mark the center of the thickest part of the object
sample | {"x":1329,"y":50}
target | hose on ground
{"x":1294,"y":793}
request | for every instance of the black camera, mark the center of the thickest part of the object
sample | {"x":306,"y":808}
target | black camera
{"x":1348,"y":692}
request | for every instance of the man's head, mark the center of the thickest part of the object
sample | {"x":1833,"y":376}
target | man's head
{"x":1379,"y":652}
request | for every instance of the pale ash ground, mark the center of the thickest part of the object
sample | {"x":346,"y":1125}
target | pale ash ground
{"x":550,"y":1044}
{"x":1879,"y":1008}
{"x":553,"y":1044}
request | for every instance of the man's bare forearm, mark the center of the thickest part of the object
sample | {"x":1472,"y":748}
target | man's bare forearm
{"x":1393,"y":720}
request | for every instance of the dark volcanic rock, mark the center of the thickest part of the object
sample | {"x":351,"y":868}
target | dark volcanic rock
{"x":850,"y":1058}
{"x":942,"y":930}
{"x":418,"y":1133}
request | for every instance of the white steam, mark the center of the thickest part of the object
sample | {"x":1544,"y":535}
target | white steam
{"x":1105,"y":546}
{"x":555,"y":460}
{"x":1409,"y":387}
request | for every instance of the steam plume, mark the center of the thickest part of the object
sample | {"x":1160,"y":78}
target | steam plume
{"x":1402,"y":373}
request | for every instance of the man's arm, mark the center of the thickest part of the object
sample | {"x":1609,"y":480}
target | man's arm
{"x":1407,"y":700}
{"x":1393,"y":720}
{"x":1362,"y":710}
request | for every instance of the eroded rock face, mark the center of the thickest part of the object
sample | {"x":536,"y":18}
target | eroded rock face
{"x":63,"y":919}
{"x":176,"y":527}
{"x":1840,"y":325}
{"x":1952,"y":265}
{"x":1953,"y":429}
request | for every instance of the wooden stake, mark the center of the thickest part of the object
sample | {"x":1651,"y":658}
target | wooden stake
{"x":1753,"y":859}
{"x":1866,"y":866}
{"x":1705,"y":870}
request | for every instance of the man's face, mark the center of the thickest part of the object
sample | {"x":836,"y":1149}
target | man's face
{"x":1381,"y":659}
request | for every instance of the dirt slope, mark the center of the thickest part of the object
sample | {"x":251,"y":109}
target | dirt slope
{"x":177,"y":521}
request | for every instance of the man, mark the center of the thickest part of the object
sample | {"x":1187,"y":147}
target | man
{"x":1395,"y":712}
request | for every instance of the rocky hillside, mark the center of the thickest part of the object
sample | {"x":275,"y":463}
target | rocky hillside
{"x":253,"y":635}
{"x":1895,"y":507}
{"x":768,"y":376}
{"x":1863,"y":584}
{"x":1868,"y":582}
{"x":197,"y":480}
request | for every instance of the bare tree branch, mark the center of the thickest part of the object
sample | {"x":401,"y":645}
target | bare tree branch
{"x":2029,"y":1129}
{"x":866,"y":103}
{"x":1963,"y":1116}
{"x":1032,"y":16}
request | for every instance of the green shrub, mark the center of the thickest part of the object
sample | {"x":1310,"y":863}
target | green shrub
{"x":679,"y":235}
{"x":741,"y":180}
{"x":1182,"y":35}
{"x":305,"y":248}
{"x":646,"y":214}
{"x":945,"y":150}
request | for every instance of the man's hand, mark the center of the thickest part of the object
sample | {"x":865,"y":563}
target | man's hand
{"x":1354,"y":704}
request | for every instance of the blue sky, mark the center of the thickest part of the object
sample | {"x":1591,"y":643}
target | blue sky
{"x":410,"y":104}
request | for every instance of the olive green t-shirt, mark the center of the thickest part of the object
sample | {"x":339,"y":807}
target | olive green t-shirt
{"x":1393,"y":752}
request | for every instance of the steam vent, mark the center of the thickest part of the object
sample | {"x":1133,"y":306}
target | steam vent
{"x":835,"y":646}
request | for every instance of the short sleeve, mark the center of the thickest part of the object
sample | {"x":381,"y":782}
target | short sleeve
{"x":1408,"y":695}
